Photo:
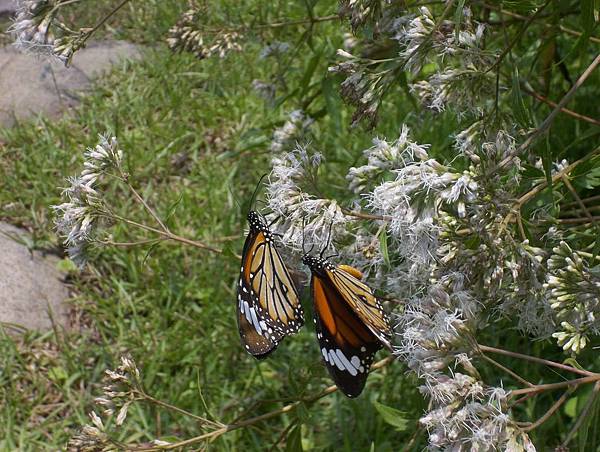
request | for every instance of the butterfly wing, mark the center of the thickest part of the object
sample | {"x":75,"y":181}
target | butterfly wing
{"x":347,"y":345}
{"x":268,"y":303}
{"x":362,"y":301}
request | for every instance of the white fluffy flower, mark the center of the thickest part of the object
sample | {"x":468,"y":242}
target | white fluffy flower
{"x":294,"y":129}
{"x":31,"y":27}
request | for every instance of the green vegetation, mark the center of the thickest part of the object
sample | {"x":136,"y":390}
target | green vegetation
{"x":196,"y":139}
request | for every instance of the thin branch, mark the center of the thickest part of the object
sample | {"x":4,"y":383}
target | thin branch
{"x":280,"y":24}
{"x":127,"y":244}
{"x":516,"y":207}
{"x":534,"y":359}
{"x":169,"y":235}
{"x":570,"y":187}
{"x":572,"y":113}
{"x":545,"y":24}
{"x":577,"y":212}
{"x":591,"y":220}
{"x":548,"y":414}
{"x":507,"y":370}
{"x":143,"y":202}
{"x":545,"y":125}
{"x":551,"y":386}
{"x":517,"y":37}
{"x":179,"y":410}
{"x":89,"y":33}
{"x":254,"y":420}
{"x":590,"y":199}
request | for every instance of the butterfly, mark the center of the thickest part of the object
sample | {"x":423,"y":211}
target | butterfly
{"x":268,"y":304}
{"x":350,"y":322}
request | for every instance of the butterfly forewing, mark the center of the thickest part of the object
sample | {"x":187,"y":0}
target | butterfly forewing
{"x":268,"y":303}
{"x":366,"y":306}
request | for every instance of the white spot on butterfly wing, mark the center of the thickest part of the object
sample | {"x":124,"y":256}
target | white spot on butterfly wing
{"x":255,"y":321}
{"x":333,"y":358}
{"x":347,"y":364}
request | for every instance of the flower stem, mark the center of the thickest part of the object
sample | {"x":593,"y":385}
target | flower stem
{"x":534,"y":359}
{"x":507,"y":370}
{"x":563,"y":384}
{"x":555,"y":406}
{"x":254,"y":420}
{"x":179,"y":410}
{"x":167,"y":234}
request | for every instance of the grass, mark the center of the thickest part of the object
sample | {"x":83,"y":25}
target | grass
{"x":196,"y":141}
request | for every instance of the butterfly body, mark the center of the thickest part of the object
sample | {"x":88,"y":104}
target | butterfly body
{"x":268,"y":304}
{"x":350,"y":323}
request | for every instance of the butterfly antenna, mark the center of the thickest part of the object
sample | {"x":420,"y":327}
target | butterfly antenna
{"x":303,"y":227}
{"x":328,"y":242}
{"x":255,"y":192}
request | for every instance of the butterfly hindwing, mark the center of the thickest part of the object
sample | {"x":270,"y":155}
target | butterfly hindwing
{"x":347,"y":345}
{"x":350,"y":322}
{"x":268,"y":303}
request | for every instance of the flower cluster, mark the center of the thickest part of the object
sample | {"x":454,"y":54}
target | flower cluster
{"x":31,"y":28}
{"x":265,"y":90}
{"x":33,"y":31}
{"x":188,"y":36}
{"x":427,"y":210}
{"x":294,"y":130}
{"x":419,"y":36}
{"x":574,"y":295}
{"x":303,"y":220}
{"x":362,"y":87}
{"x":275,"y":49}
{"x":384,"y":156}
{"x":436,"y":334}
{"x":121,"y":389}
{"x":465,"y":90}
{"x":77,"y":217}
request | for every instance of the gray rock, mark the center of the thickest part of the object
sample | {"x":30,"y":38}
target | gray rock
{"x":32,"y":292}
{"x":8,"y":7}
{"x":99,"y":57}
{"x":31,"y":86}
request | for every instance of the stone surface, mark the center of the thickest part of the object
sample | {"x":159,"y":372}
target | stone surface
{"x":7,"y":7}
{"x":32,"y":86}
{"x":32,"y":290}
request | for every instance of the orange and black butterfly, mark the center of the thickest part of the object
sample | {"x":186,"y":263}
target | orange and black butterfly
{"x":350,"y":322}
{"x":268,"y":304}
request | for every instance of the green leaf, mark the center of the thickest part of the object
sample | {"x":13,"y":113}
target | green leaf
{"x":383,"y":246}
{"x":520,"y":110}
{"x":57,"y":374}
{"x":332,"y":102}
{"x":294,"y":440}
{"x":587,"y":15}
{"x":573,"y":363}
{"x":310,"y":70}
{"x":571,"y":407}
{"x":66,"y":265}
{"x":458,"y":14}
{"x":547,"y":164}
{"x":588,"y":180}
{"x":392,"y":416}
